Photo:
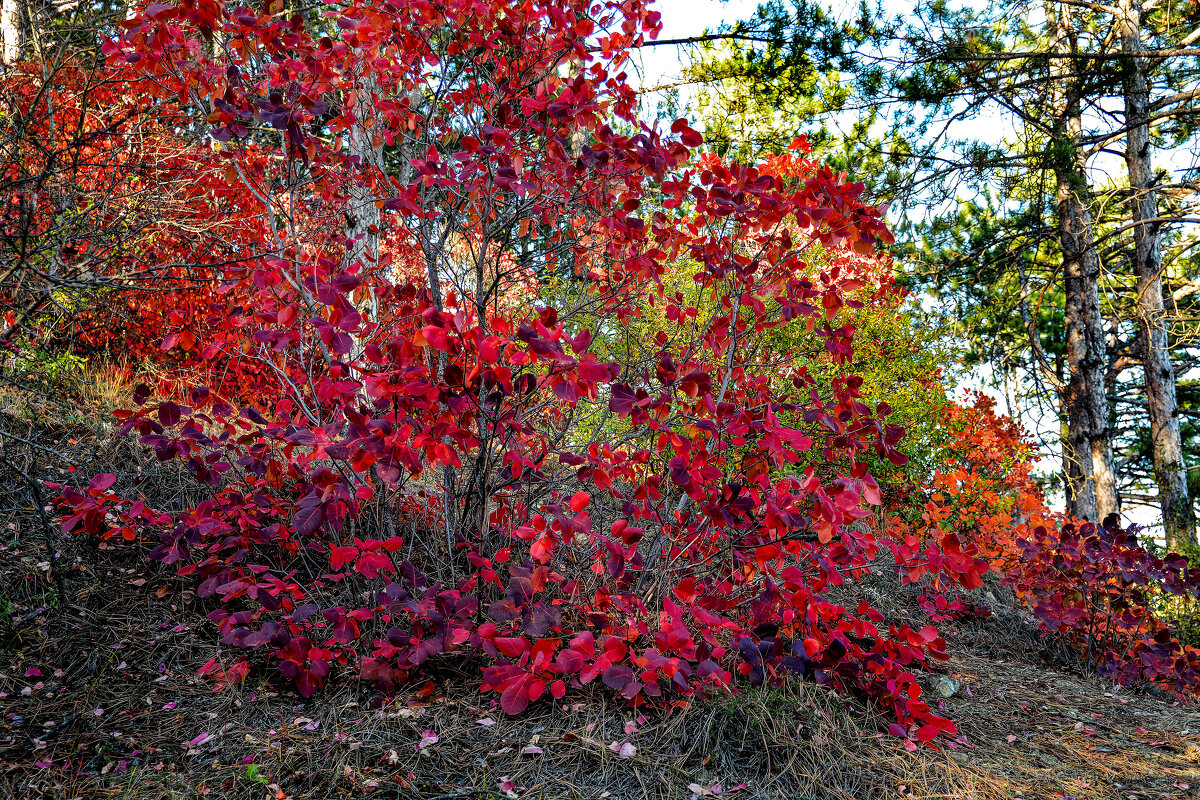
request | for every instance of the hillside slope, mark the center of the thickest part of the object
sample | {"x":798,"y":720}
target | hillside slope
{"x":101,"y":695}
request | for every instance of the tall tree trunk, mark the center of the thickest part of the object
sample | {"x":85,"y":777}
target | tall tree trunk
{"x":11,"y":31}
{"x":1095,"y":495}
{"x":1167,"y":441}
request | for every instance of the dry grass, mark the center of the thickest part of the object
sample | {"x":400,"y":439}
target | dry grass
{"x":117,"y":706}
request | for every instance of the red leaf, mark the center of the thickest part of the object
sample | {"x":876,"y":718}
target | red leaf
{"x":622,"y":399}
{"x":618,"y":677}
{"x":596,"y":372}
{"x":569,"y":661}
{"x":614,"y":649}
{"x":371,"y":564}
{"x":515,"y":698}
{"x":339,"y":556}
{"x":102,"y":481}
{"x":927,"y":733}
{"x":511,"y":647}
{"x":309,"y":520}
{"x":159,"y":10}
{"x":345,"y":631}
{"x":435,"y":337}
{"x":541,"y":550}
{"x":307,"y":683}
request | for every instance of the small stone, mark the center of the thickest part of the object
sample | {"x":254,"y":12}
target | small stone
{"x":944,"y":685}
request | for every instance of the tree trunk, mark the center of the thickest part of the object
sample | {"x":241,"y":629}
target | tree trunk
{"x":362,"y":215}
{"x":1169,"y":472}
{"x":1071,"y":464}
{"x":11,"y":31}
{"x":363,"y":220}
{"x":1095,"y":493}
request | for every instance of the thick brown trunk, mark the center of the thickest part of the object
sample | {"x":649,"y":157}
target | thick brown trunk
{"x":1095,"y":495}
{"x":1166,"y":438}
{"x":1094,"y":492}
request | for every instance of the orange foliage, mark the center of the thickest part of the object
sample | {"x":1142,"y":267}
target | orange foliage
{"x":983,"y":496}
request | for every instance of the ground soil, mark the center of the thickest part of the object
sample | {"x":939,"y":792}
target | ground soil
{"x":100,"y":698}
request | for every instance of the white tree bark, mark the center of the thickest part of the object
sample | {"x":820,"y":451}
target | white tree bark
{"x":11,"y":31}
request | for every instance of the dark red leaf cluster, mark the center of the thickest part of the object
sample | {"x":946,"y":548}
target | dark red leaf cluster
{"x":1092,"y":585}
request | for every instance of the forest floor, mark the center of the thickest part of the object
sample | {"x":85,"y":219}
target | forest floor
{"x":100,"y":697}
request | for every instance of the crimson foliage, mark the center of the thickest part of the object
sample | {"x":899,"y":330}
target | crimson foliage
{"x":1092,"y":586}
{"x":447,"y":468}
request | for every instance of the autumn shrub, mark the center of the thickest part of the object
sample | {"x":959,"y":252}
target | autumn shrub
{"x":1181,"y":612}
{"x":971,"y":502}
{"x":1093,"y":587}
{"x":531,"y":387}
{"x":1096,"y":589}
{"x":118,"y":231}
{"x":453,"y":461}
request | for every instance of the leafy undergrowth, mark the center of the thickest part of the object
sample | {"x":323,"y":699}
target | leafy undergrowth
{"x":113,"y":694}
